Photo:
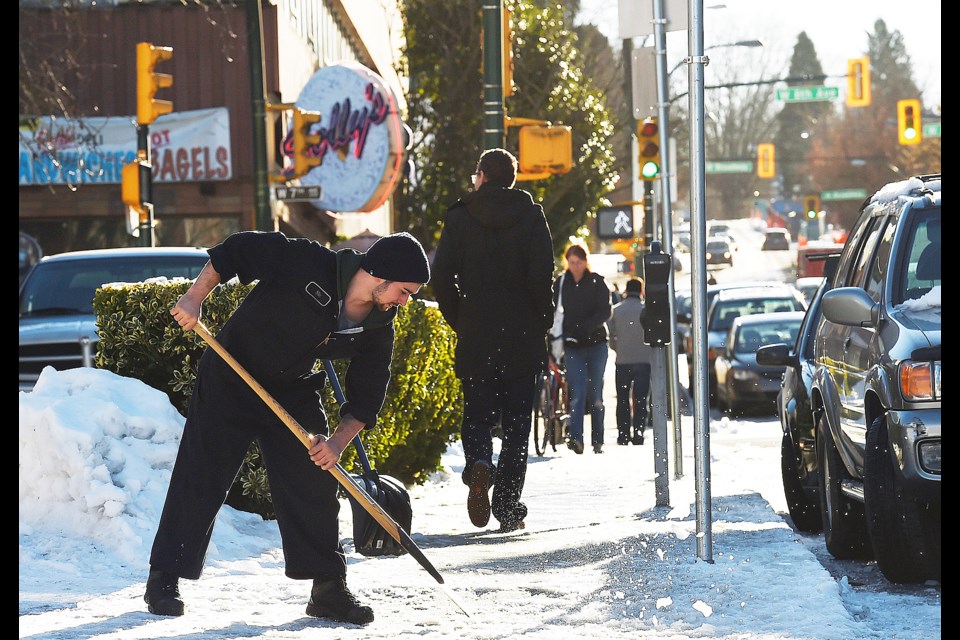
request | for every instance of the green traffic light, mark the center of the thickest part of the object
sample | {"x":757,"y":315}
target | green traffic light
{"x":649,"y":170}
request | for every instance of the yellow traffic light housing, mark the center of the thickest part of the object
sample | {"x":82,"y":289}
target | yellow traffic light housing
{"x":149,"y":82}
{"x":546,"y":149}
{"x":858,"y":82}
{"x":304,"y":158}
{"x":130,"y":185}
{"x":648,"y":139}
{"x":766,"y":160}
{"x":908,"y":121}
{"x":811,"y":206}
{"x":506,"y":58}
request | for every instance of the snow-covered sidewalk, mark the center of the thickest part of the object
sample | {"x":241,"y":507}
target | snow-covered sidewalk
{"x":597,"y":559}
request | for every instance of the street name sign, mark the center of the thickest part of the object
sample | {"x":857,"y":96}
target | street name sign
{"x":843,"y":194}
{"x":930,"y":129}
{"x":807,"y":94}
{"x":729,"y":166}
{"x":298,"y":194}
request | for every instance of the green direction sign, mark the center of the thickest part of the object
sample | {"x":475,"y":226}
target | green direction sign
{"x":843,"y":194}
{"x":930,"y":130}
{"x":729,"y":166}
{"x":807,"y":94}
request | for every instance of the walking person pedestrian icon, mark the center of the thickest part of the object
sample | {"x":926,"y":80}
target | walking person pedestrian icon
{"x":622,"y":223}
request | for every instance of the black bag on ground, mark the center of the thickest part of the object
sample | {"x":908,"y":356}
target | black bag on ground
{"x":369,"y":537}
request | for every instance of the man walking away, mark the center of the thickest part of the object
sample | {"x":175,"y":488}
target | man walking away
{"x":633,"y":364}
{"x":492,"y":280}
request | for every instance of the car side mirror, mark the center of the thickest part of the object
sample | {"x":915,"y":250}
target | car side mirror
{"x":776,"y":355}
{"x":851,"y":307}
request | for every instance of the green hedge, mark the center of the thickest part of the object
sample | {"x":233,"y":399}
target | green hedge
{"x":139,"y":339}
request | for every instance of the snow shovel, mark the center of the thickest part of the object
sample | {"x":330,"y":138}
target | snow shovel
{"x":353,"y":488}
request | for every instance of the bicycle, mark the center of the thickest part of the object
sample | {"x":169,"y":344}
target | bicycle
{"x":550,"y":409}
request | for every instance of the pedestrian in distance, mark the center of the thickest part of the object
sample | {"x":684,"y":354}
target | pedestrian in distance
{"x":586,"y":306}
{"x":634,"y":359}
{"x":309,"y":304}
{"x":492,"y":281}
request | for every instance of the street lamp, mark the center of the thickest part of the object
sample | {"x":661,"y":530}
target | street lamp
{"x":742,"y":43}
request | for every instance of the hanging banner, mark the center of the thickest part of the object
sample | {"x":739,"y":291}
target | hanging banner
{"x":186,"y":146}
{"x":362,"y":146}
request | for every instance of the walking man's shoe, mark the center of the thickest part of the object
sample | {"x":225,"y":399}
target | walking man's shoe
{"x":598,"y":448}
{"x":330,"y":598}
{"x":516,"y":525}
{"x":478,"y":500}
{"x":163,"y":594}
{"x":575,"y":445}
{"x":638,"y":438}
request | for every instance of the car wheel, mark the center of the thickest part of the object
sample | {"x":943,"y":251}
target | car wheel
{"x":900,"y":527}
{"x":844,"y":523}
{"x":803,"y":505}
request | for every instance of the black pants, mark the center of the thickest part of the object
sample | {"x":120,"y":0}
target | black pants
{"x":225,"y":416}
{"x":508,"y":402}
{"x":633,"y":386}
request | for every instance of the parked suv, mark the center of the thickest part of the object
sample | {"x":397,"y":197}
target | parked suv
{"x":876,"y":387}
{"x":57,"y":323}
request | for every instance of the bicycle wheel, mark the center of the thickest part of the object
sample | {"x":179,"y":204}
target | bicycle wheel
{"x":542,"y":413}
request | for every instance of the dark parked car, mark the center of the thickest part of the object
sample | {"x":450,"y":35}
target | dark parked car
{"x":731,"y":303}
{"x":798,"y":454}
{"x":57,"y":323}
{"x":876,"y":388}
{"x":742,"y":381}
{"x":776,"y":239}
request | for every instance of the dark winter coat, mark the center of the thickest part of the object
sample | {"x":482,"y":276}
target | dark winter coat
{"x":586,"y":309}
{"x":289,"y":320}
{"x":492,"y":279}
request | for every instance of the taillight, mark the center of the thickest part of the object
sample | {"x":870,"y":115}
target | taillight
{"x":920,"y":380}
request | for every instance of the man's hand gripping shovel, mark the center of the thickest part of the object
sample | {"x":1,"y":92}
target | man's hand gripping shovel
{"x":344,"y":478}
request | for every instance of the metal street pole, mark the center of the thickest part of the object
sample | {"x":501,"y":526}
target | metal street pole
{"x":701,"y":409}
{"x":263,"y":209}
{"x":493,"y":120}
{"x":663,"y":108}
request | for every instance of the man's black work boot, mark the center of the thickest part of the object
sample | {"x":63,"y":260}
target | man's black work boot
{"x":330,"y":598}
{"x":163,"y":594}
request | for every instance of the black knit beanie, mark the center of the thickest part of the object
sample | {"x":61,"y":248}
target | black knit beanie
{"x":398,"y":257}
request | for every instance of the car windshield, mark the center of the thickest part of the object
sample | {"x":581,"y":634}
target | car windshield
{"x":726,"y":311}
{"x":67,"y":287}
{"x":717,"y":245}
{"x":755,"y":336}
{"x":923,"y":257}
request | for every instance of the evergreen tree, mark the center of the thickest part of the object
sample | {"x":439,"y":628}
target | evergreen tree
{"x":798,"y":120}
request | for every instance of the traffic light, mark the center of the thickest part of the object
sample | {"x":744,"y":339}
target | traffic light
{"x":766,"y":160}
{"x":303,"y":142}
{"x":546,"y":149}
{"x":657,"y":270}
{"x":858,"y":82}
{"x":648,"y":137}
{"x":506,"y":58}
{"x":908,"y":121}
{"x":130,"y":185}
{"x":811,"y":207}
{"x":149,"y":81}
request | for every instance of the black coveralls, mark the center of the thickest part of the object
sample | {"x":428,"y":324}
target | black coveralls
{"x":492,"y":279}
{"x":287,"y":322}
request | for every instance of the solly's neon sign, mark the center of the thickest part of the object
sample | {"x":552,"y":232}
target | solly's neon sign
{"x":345,"y":125}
